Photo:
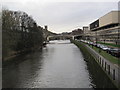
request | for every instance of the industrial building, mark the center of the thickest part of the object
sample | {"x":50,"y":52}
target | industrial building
{"x":106,"y":29}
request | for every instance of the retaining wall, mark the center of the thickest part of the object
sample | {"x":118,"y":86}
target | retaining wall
{"x":103,"y":72}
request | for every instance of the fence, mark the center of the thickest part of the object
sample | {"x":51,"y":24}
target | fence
{"x":112,"y":70}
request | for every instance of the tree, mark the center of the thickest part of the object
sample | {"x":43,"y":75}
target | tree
{"x":20,"y":32}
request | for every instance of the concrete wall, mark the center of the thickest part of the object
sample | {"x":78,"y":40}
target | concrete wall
{"x":115,"y":16}
{"x":109,"y":18}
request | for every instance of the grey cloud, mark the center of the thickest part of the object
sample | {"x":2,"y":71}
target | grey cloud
{"x":64,"y":16}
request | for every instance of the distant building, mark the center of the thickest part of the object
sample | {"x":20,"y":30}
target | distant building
{"x":94,"y":25}
{"x":66,"y":33}
{"x":86,"y":31}
{"x":106,"y":28}
{"x":77,"y":32}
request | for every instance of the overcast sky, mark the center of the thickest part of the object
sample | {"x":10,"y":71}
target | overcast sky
{"x":63,"y":16}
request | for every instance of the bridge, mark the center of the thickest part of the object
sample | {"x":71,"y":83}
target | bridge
{"x":64,"y":37}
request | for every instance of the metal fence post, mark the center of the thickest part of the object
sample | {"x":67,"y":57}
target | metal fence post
{"x":113,"y":74}
{"x":102,"y":62}
{"x":105,"y":66}
{"x":108,"y":69}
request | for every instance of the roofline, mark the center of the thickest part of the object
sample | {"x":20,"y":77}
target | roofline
{"x":105,"y":14}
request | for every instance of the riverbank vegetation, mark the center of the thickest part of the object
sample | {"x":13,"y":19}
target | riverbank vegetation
{"x":100,"y":77}
{"x":109,"y":57}
{"x":20,"y":33}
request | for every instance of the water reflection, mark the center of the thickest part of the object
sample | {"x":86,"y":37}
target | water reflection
{"x":59,"y":65}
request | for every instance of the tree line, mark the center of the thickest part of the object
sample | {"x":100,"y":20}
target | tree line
{"x":20,"y":33}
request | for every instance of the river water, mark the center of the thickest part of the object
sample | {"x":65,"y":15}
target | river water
{"x":58,"y":65}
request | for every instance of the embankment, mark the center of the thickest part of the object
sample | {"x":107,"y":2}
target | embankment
{"x":100,"y":78}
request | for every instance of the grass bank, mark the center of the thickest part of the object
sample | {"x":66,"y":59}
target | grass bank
{"x":99,"y":77}
{"x":109,"y":57}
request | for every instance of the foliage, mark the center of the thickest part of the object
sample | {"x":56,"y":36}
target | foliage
{"x":107,"y":56}
{"x":20,"y":32}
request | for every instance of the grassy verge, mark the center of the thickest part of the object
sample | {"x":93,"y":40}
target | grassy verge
{"x":107,"y":56}
{"x":109,"y":44}
{"x":94,"y":68}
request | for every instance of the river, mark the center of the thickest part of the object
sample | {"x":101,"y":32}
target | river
{"x":58,"y":65}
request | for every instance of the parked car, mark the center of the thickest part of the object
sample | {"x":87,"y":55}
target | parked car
{"x":109,"y":50}
{"x":94,"y":44}
{"x":85,"y":41}
{"x":101,"y":46}
{"x":114,"y":52}
{"x":91,"y":43}
{"x":98,"y":45}
{"x":105,"y":48}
